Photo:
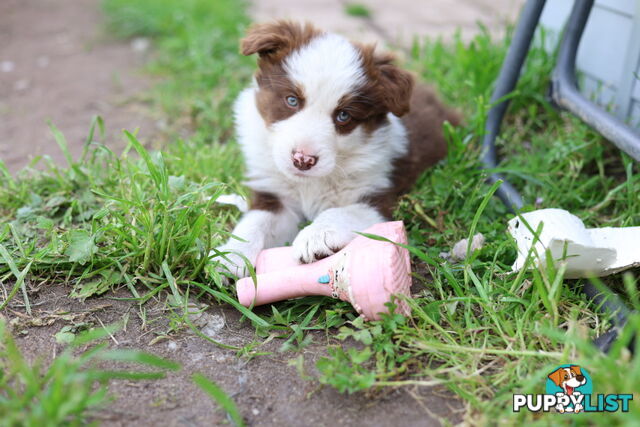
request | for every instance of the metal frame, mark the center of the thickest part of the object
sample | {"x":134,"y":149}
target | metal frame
{"x":565,"y":94}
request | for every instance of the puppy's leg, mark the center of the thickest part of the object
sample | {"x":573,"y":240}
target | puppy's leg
{"x":258,"y":230}
{"x":332,"y":230}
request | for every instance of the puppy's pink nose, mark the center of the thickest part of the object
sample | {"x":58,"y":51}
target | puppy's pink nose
{"x":303,"y":161}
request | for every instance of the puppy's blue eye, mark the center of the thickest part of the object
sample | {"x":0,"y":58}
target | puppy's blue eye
{"x":343,"y":116}
{"x":292,"y":101}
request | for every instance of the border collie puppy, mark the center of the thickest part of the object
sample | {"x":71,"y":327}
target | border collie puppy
{"x":333,"y":133}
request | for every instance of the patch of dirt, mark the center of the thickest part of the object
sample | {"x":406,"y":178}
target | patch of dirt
{"x":268,"y":390}
{"x":57,"y":63}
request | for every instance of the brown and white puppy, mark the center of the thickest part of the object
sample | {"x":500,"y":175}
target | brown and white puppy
{"x":568,"y":379}
{"x":332,"y":132}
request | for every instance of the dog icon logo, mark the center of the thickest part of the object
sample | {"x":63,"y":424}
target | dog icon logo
{"x":568,"y":379}
{"x":569,"y":389}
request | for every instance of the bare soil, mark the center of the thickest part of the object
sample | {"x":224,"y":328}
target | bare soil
{"x":399,"y":22}
{"x":56,"y":62}
{"x":268,"y":389}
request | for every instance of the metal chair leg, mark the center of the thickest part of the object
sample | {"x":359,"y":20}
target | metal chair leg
{"x":608,"y":302}
{"x":506,"y":82}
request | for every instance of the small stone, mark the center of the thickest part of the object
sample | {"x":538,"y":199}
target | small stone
{"x":171,"y":345}
{"x":140,"y":44}
{"x":220,"y":358}
{"x":459,"y":251}
{"x":255,"y":412}
{"x":214,"y":325}
{"x":197,"y":314}
{"x":7,"y":66}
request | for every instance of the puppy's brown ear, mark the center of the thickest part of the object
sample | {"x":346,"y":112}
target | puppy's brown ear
{"x":276,"y":39}
{"x":397,"y":85}
{"x":576,"y":369}
{"x":394,"y":85}
{"x":557,"y":376}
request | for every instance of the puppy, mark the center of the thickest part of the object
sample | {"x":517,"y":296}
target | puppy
{"x":568,"y":379}
{"x":332,"y":132}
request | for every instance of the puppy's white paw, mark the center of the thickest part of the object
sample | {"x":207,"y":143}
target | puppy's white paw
{"x":315,"y":242}
{"x":231,"y":258}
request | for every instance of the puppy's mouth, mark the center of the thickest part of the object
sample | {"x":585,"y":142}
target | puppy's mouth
{"x":296,"y":175}
{"x":299,"y":175}
{"x":569,"y":389}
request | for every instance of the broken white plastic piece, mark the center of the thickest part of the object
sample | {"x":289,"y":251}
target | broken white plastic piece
{"x":586,"y":251}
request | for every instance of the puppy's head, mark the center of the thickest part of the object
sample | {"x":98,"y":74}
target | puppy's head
{"x":571,"y":377}
{"x":320,"y":95}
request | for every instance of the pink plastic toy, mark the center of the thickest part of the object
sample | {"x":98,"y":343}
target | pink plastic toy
{"x":365,"y":273}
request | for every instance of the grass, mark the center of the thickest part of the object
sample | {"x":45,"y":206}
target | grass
{"x":147,"y":219}
{"x":357,"y":10}
{"x":71,"y":389}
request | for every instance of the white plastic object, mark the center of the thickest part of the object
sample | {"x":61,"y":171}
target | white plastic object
{"x":586,"y":251}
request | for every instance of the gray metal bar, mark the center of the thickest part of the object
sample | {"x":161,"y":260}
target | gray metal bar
{"x":565,"y":91}
{"x":608,"y":302}
{"x":506,"y":82}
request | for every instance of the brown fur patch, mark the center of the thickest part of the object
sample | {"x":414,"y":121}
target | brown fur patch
{"x":273,"y":42}
{"x":426,"y":146}
{"x":387,"y":89}
{"x":388,"y":85}
{"x":265,"y":202}
{"x":363,"y":109}
{"x":274,"y":88}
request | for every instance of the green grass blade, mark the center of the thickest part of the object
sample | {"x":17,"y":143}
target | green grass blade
{"x":217,"y":394}
{"x":20,"y":276}
{"x":242,"y":309}
{"x":478,"y":214}
{"x":127,"y":355}
{"x":62,"y":142}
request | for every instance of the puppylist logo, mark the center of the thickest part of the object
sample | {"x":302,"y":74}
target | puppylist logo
{"x":569,"y":390}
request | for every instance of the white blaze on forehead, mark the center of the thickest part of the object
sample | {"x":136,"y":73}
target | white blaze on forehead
{"x":327,"y":68}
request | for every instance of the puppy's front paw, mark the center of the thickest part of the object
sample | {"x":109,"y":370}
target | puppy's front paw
{"x":315,"y":242}
{"x":232,"y":259}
